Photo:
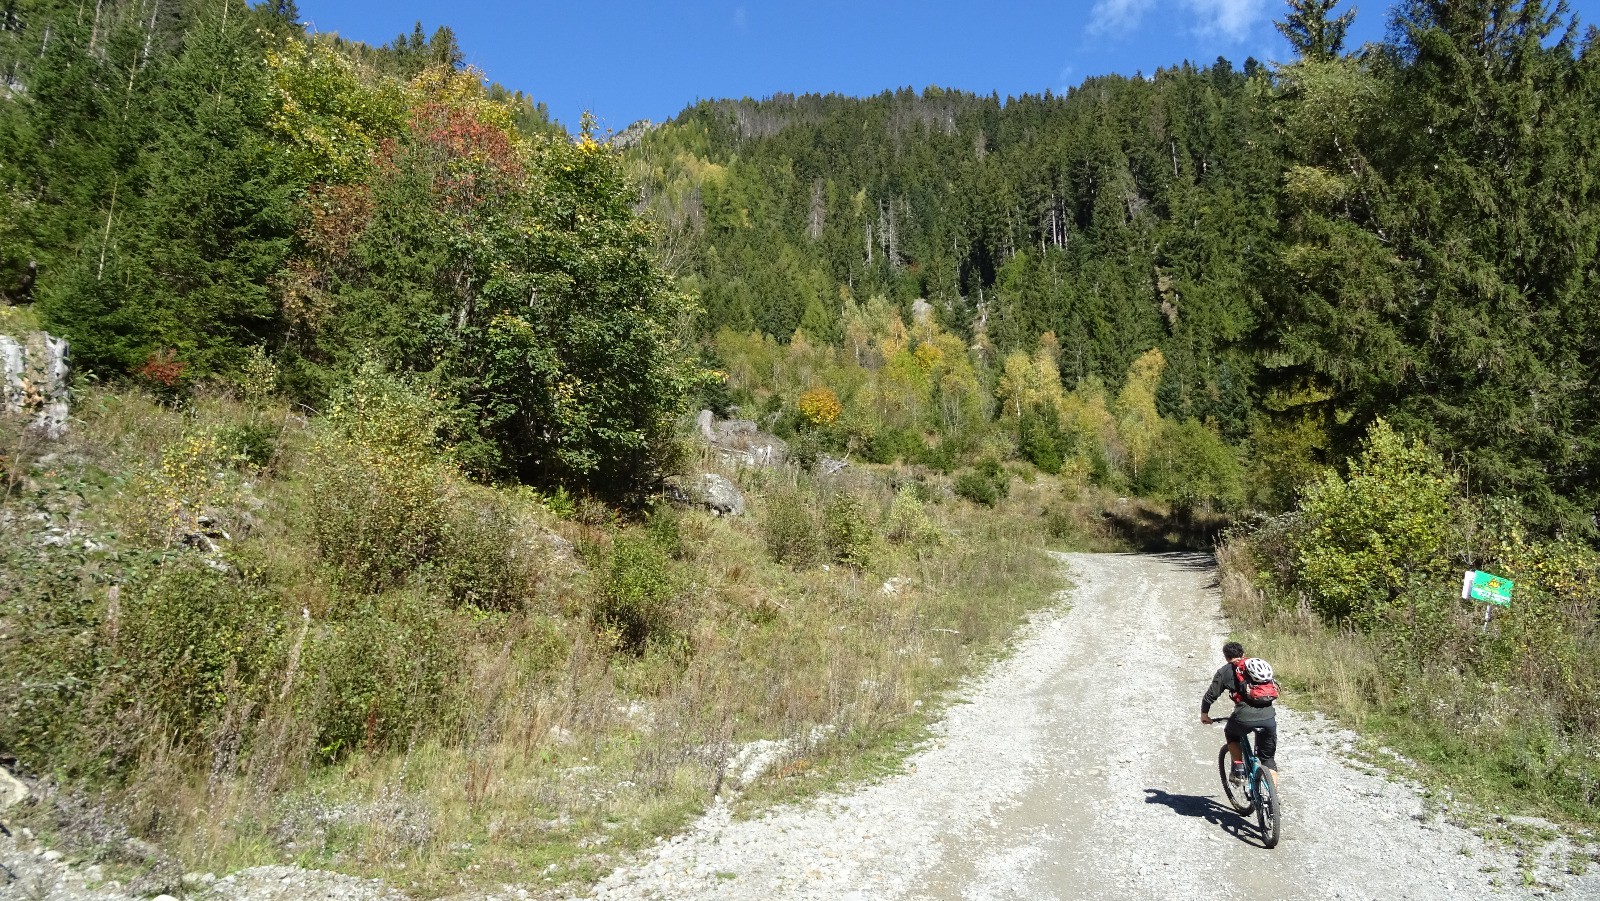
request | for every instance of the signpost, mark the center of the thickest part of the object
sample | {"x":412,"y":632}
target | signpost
{"x":1494,"y":591}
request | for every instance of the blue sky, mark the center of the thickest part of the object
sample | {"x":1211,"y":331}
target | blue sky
{"x":648,"y":60}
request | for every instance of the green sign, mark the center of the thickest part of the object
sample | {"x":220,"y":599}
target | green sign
{"x":1488,"y":588}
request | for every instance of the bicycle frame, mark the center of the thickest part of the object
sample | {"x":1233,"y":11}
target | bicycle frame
{"x":1252,"y":766}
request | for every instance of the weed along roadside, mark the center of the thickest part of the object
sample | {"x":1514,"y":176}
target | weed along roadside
{"x":1359,"y":598}
{"x":446,"y":685}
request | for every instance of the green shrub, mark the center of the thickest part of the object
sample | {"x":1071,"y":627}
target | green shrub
{"x":790,"y":528}
{"x":482,"y":559}
{"x":877,"y":447}
{"x":1060,"y":523}
{"x":806,"y":448}
{"x":1367,"y":537}
{"x":941,"y":456}
{"x":1192,"y":467}
{"x":908,"y":520}
{"x":1039,"y":440}
{"x":974,"y":487}
{"x":847,"y":531}
{"x":112,"y":655}
{"x":381,"y":675}
{"x":376,"y":481}
{"x":592,"y":511}
{"x":250,"y":442}
{"x":636,"y":594}
{"x":986,"y":483}
{"x":666,"y":530}
{"x":165,"y":504}
{"x":190,"y":636}
{"x":560,"y":503}
{"x":51,"y":642}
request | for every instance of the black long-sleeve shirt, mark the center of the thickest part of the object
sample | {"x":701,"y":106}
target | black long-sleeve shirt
{"x":1224,"y":681}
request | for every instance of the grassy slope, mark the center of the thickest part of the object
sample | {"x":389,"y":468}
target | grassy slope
{"x":559,"y":751}
{"x":1341,"y":674}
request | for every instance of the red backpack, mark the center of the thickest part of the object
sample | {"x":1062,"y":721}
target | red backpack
{"x":1250,"y":690}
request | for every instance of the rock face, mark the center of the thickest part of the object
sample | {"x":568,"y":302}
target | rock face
{"x":831,"y":465}
{"x":721,"y":495}
{"x":741,"y":440}
{"x":710,"y":491}
{"x":921,"y":311}
{"x":12,"y":791}
{"x":33,"y":378}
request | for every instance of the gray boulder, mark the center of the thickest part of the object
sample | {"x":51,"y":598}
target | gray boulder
{"x":729,"y":429}
{"x":12,"y":791}
{"x":708,"y":490}
{"x":562,"y":553}
{"x":741,"y":441}
{"x":831,"y":465}
{"x":721,"y":496}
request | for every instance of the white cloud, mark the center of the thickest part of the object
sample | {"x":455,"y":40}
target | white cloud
{"x":1064,"y":80}
{"x":1116,"y":17}
{"x":1233,"y":19}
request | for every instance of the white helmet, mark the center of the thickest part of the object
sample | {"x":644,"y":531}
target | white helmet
{"x":1258,"y":670}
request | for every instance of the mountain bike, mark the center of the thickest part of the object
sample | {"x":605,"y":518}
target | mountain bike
{"x":1257,"y":795}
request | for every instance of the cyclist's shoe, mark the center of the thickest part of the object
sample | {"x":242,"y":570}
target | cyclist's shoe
{"x":1236,"y":775}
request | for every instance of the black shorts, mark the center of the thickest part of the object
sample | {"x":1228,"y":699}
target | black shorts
{"x":1266,"y":739}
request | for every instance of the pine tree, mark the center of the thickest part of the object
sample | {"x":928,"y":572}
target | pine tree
{"x":1313,"y":35}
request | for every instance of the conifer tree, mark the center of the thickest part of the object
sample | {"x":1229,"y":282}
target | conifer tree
{"x":1312,"y":34}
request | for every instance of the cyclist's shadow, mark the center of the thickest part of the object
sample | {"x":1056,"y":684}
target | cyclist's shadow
{"x":1207,"y":808}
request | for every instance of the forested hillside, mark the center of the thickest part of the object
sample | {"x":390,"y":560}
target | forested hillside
{"x":1405,"y":230}
{"x":380,"y":537}
{"x":190,"y":183}
{"x":1351,"y":299}
{"x":356,"y":548}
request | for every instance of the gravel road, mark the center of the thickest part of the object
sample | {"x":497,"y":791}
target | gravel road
{"x":1077,"y":768}
{"x":1074,"y":768}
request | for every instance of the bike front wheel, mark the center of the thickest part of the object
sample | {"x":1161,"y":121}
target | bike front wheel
{"x":1269,"y":810}
{"x":1237,"y":795}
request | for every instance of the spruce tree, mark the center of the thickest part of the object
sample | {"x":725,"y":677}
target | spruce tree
{"x":1312,"y":34}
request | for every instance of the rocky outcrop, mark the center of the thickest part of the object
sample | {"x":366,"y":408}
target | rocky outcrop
{"x":708,"y":490}
{"x":12,"y":791}
{"x":633,"y":134}
{"x":828,"y":466}
{"x":33,"y":379}
{"x":741,"y":441}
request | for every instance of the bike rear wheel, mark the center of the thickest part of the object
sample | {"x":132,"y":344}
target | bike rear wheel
{"x":1237,"y":795}
{"x":1269,"y":810}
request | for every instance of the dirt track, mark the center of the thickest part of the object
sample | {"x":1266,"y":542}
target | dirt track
{"x":1041,"y":786}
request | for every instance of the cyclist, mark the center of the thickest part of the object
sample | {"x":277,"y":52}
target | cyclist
{"x":1246,"y":718}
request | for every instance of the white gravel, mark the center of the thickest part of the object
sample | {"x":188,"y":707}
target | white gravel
{"x":1075,"y":768}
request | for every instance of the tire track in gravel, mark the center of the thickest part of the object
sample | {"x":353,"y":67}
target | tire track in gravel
{"x":1077,"y":768}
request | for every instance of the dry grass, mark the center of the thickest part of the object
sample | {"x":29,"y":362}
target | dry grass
{"x":1502,"y":746}
{"x":549,"y":750}
{"x":1336,"y":671}
{"x":605,"y":752}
